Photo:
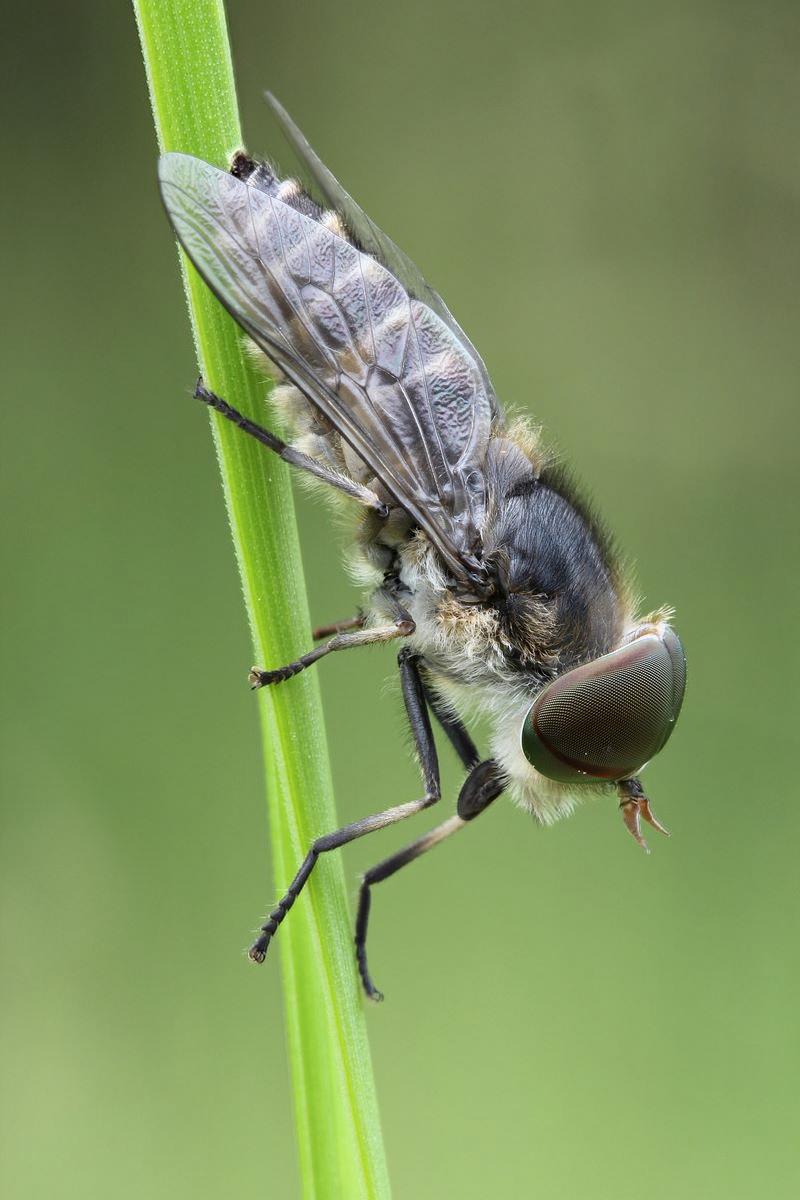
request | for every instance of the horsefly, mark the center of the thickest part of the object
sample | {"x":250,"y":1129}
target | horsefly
{"x":476,"y":550}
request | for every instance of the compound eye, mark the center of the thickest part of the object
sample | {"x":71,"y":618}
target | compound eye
{"x":608,"y":718}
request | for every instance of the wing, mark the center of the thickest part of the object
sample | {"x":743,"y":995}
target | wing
{"x":373,"y":239}
{"x":389,"y":374}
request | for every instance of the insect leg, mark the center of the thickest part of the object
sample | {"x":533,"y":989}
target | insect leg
{"x":383,"y":870}
{"x":455,"y":729}
{"x":289,"y":454}
{"x":483,"y":785}
{"x":323,"y":631}
{"x":402,"y":627}
{"x":419,"y":721}
{"x":384,"y":598}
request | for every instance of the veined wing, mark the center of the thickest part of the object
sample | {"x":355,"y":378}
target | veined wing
{"x":372,"y":238}
{"x":389,"y":374}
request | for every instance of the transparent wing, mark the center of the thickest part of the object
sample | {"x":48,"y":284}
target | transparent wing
{"x":372,"y":238}
{"x":387,"y":371}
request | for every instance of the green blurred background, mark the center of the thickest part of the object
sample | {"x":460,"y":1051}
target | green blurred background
{"x":607,"y":195}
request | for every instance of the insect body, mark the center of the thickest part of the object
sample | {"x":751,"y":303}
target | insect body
{"x":474,"y":546}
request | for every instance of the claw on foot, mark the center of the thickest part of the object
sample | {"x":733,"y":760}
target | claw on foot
{"x":635,"y":807}
{"x":259,"y":679}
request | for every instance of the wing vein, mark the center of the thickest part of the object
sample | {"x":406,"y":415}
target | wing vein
{"x":397,"y":381}
{"x":431,"y":415}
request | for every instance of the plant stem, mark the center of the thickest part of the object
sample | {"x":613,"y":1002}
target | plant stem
{"x":190,"y":75}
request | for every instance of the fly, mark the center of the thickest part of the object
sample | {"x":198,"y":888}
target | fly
{"x":478,"y":552}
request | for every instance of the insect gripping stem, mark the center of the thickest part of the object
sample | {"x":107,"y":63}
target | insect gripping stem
{"x":190,"y":77}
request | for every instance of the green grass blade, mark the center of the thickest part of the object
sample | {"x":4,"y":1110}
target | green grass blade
{"x":189,"y":71}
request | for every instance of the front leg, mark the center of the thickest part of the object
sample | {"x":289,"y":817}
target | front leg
{"x":416,"y":710}
{"x":484,"y":784}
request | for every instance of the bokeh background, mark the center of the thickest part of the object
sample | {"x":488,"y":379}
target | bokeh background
{"x":607,"y":195}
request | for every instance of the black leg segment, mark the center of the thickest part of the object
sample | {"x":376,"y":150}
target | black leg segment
{"x":484,"y":784}
{"x":455,"y":729}
{"x":418,"y":719}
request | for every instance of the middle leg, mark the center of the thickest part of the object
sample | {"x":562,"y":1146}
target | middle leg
{"x":402,"y":627}
{"x":326,"y":631}
{"x":346,"y":635}
{"x":483,"y":785}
